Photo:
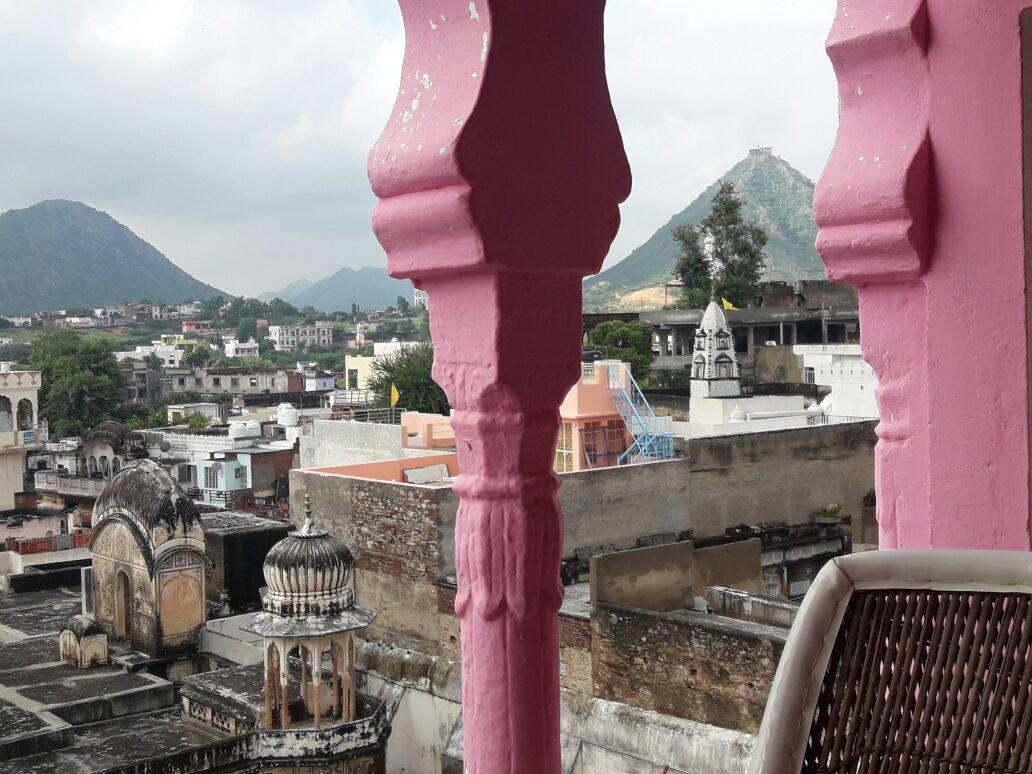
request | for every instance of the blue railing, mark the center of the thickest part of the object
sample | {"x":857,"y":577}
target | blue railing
{"x":651,"y":442}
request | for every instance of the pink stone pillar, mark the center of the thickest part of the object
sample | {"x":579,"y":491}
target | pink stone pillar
{"x":921,"y":206}
{"x":499,"y":176}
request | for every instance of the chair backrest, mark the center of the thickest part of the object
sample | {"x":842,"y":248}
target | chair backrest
{"x":906,"y":661}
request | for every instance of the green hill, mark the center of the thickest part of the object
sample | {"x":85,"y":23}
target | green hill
{"x":59,"y":254}
{"x":777,"y":196}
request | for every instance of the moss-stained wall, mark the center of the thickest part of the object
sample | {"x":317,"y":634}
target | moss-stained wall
{"x":690,"y":665}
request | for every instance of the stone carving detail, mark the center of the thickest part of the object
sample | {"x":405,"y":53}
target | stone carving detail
{"x":499,"y":177}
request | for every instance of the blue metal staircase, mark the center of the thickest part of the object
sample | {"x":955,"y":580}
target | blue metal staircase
{"x":651,"y":442}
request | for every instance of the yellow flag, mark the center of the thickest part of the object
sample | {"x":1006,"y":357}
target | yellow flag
{"x":394,"y":396}
{"x":729,"y":305}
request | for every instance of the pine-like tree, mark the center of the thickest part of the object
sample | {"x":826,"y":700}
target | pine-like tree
{"x":722,"y":253}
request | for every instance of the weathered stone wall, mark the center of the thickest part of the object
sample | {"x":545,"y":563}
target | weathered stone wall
{"x":723,"y":481}
{"x":395,"y":533}
{"x":575,"y":653}
{"x":689,"y":665}
{"x":779,"y":476}
{"x":116,"y":551}
{"x":335,"y":443}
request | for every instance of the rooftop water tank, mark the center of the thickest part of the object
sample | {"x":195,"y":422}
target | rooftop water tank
{"x":287,"y":415}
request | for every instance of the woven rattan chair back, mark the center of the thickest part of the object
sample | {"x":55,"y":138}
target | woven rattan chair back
{"x":927,"y":679}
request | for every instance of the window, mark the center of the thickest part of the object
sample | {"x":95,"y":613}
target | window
{"x":198,"y":381}
{"x":234,"y":382}
{"x":211,"y":478}
{"x":216,"y":381}
{"x":809,"y":376}
{"x":699,"y":368}
{"x":564,"y":449}
{"x":352,"y":378}
{"x":254,"y":381}
{"x":182,"y":381}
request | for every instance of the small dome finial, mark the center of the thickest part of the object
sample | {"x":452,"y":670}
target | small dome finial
{"x":306,"y":527}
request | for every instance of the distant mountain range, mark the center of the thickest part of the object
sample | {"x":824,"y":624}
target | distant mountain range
{"x":293,"y":289}
{"x":776,"y":196}
{"x":60,"y":253}
{"x":369,"y":287}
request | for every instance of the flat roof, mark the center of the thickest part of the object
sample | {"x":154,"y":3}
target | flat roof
{"x":225,"y":522}
{"x":751,"y":316}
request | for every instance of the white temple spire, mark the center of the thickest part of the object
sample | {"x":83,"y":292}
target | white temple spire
{"x":715,"y":371}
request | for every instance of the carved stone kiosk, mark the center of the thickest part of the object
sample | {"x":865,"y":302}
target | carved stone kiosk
{"x":149,"y":562}
{"x":310,"y":611}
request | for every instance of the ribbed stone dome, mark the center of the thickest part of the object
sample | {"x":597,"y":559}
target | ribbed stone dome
{"x":309,"y":573}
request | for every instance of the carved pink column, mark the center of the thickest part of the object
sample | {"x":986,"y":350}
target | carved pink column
{"x":499,"y":176}
{"x":921,"y":207}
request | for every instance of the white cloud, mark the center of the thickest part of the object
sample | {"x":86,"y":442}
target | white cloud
{"x":233,"y":135}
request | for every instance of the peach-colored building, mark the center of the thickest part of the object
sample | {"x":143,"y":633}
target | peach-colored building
{"x":426,"y":431}
{"x":427,"y":469}
{"x":592,"y":433}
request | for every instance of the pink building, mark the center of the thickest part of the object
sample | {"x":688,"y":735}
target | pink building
{"x":197,"y":326}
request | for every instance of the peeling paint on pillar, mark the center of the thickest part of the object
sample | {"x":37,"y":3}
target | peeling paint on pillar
{"x":519,"y":202}
{"x":921,"y":206}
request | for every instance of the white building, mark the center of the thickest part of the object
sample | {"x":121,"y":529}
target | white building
{"x":288,"y":338}
{"x":19,"y":428}
{"x":392,"y":347}
{"x":236,"y":348}
{"x":420,"y":298}
{"x":181,"y":412}
{"x":20,"y":322}
{"x":170,"y":356}
{"x":716,"y":406}
{"x":842,"y":368}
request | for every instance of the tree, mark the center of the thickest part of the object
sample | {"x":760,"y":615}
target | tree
{"x":247,"y":329}
{"x":722,"y":254}
{"x":198,"y":357}
{"x":153,"y":362}
{"x":197,"y":421}
{"x":402,"y":304}
{"x":81,"y":383}
{"x":408,"y":370}
{"x":627,"y":341}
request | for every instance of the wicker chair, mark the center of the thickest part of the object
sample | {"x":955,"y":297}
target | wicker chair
{"x":906,"y":661}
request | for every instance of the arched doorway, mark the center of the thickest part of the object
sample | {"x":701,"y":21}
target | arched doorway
{"x":6,"y":416}
{"x":123,"y":606}
{"x":26,"y":415}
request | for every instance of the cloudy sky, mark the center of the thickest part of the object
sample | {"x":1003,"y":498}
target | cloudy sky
{"x":232,"y":134}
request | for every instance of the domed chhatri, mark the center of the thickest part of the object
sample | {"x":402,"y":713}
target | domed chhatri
{"x":310,"y":610}
{"x":309,"y":573}
{"x":311,"y":580}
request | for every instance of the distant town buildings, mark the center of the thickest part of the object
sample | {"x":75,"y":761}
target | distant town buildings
{"x":237,"y":348}
{"x":290,"y":338}
{"x":20,"y":429}
{"x":842,"y":369}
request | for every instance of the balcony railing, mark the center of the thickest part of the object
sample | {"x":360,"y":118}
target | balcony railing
{"x":64,"y":484}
